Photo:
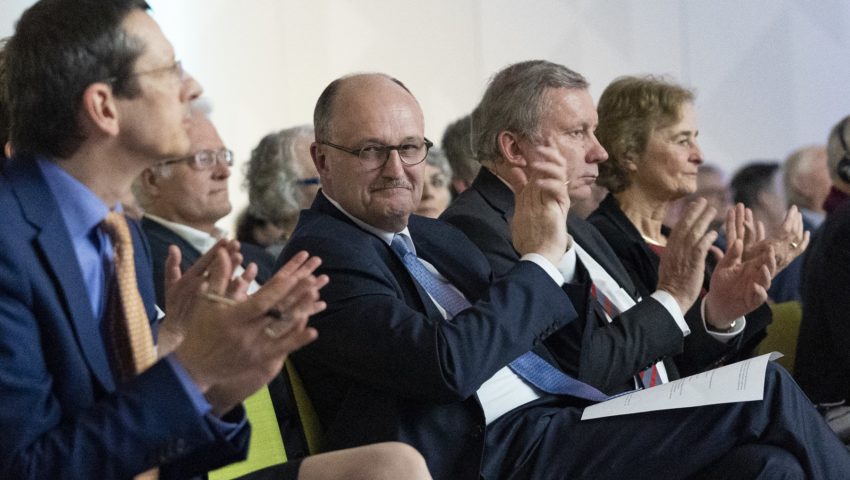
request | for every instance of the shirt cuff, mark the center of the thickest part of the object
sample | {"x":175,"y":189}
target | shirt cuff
{"x":567,"y":265}
{"x":546,"y":265}
{"x":668,"y":302}
{"x":724,"y":337}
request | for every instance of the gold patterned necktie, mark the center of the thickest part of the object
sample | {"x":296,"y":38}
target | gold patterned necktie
{"x":129,"y":330}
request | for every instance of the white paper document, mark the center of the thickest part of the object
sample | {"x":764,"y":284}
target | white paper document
{"x":739,"y":382}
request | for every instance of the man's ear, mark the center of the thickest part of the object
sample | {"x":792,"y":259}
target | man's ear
{"x":318,"y":154}
{"x":99,"y":110}
{"x":511,"y":149}
{"x":149,"y":183}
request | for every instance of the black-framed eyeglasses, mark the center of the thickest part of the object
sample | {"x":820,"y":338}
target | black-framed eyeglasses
{"x":204,"y":159}
{"x":376,"y":156}
{"x":176,"y":68}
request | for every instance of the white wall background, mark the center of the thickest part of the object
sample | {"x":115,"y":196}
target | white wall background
{"x":770,"y":74}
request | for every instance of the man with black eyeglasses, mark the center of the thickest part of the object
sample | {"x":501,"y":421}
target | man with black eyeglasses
{"x":184,"y":197}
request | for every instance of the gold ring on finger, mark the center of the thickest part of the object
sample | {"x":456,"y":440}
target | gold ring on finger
{"x":793,"y":245}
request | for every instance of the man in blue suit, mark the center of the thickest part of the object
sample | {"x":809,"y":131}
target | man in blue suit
{"x":420,"y":344}
{"x":96,"y":97}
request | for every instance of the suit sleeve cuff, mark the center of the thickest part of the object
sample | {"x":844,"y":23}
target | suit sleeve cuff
{"x":672,"y":306}
{"x":546,"y":265}
{"x":724,"y":337}
{"x":202,"y":406}
{"x":226,"y":426}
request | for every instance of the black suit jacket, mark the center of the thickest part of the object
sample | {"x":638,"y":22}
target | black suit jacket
{"x":605,"y":355}
{"x":160,"y":237}
{"x":386,"y":365}
{"x":702,"y":351}
{"x":823,"y":347}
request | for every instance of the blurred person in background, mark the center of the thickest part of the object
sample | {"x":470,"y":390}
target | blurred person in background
{"x":758,"y":185}
{"x":457,"y":144}
{"x":805,"y":176}
{"x":281,"y":181}
{"x":823,"y":348}
{"x":436,"y":194}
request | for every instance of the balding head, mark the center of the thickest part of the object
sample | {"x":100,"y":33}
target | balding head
{"x":806,"y":178}
{"x":323,"y":113}
{"x":369,"y":110}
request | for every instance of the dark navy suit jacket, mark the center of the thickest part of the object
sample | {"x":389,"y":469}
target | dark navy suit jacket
{"x":386,"y":365}
{"x":62,"y":414}
{"x":702,"y":352}
{"x":605,"y":355}
{"x":823,"y":348}
{"x":160,"y":237}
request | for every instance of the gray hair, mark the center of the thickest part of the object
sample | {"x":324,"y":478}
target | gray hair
{"x":457,"y":145}
{"x":514,"y":102}
{"x":438,"y":159}
{"x":271,"y":176}
{"x":835,"y":151}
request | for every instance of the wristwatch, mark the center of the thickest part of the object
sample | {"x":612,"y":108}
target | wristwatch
{"x":722,"y":330}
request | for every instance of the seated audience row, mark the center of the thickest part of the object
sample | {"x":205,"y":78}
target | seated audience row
{"x":422,"y":343}
{"x":96,"y":99}
{"x":464,"y":347}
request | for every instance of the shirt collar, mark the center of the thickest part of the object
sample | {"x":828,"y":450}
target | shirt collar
{"x":80,"y":208}
{"x":200,"y":240}
{"x":387,"y":237}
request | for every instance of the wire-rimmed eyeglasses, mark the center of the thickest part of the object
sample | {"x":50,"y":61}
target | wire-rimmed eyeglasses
{"x":204,"y":159}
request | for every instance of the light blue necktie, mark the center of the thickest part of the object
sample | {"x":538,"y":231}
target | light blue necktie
{"x":530,"y":366}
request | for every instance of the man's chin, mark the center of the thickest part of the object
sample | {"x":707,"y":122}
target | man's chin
{"x":580,"y":193}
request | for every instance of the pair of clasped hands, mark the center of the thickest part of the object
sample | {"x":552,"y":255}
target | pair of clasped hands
{"x":232,"y":344}
{"x":743,"y":273}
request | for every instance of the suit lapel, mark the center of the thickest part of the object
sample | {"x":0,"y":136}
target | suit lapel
{"x":54,"y":245}
{"x":496,"y":193}
{"x":595,"y":245}
{"x":436,"y":247}
{"x":190,"y":254}
{"x":396,"y":266}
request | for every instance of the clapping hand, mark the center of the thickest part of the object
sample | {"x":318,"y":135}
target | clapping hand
{"x":682,"y":267}
{"x":235,"y":344}
{"x":540,"y":217}
{"x":738,"y":285}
